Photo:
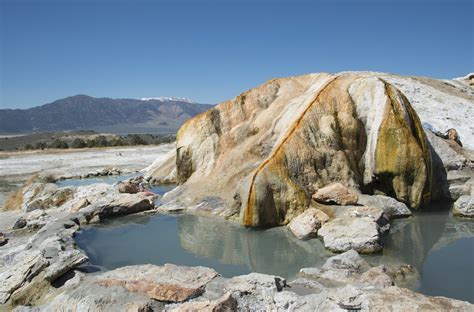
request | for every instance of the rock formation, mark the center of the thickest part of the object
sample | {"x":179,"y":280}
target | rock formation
{"x":261,"y":156}
{"x":266,"y":152}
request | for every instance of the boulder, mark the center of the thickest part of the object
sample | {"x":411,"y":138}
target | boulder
{"x":377,"y":214}
{"x":224,"y":303}
{"x":392,"y":207}
{"x":119,"y":205}
{"x":342,"y":234}
{"x":33,"y":220}
{"x":453,"y":135}
{"x":339,"y":269}
{"x":3,"y":239}
{"x":335,"y":193}
{"x":128,"y":187}
{"x":19,"y":223}
{"x":307,"y":224}
{"x":169,"y":282}
{"x":265,"y":152}
{"x":40,"y":195}
{"x":464,"y":206}
{"x":402,"y":299}
{"x":377,"y":276}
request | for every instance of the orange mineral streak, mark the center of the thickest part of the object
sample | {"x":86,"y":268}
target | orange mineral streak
{"x":248,"y":216}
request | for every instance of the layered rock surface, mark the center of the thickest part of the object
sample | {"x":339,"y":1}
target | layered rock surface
{"x":266,"y":152}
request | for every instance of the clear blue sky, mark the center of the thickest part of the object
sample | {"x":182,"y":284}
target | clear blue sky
{"x":213,"y":50}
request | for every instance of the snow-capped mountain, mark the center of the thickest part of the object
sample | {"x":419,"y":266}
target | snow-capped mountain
{"x":168,"y":99}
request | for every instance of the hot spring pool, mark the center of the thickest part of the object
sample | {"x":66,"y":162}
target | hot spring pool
{"x":440,"y":246}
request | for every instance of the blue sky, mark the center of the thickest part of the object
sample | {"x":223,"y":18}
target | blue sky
{"x":211,"y":51}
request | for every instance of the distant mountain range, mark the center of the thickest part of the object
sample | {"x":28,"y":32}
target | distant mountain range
{"x":82,"y":112}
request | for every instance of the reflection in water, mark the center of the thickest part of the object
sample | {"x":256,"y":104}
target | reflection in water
{"x":437,"y":244}
{"x":440,"y":246}
{"x":273,"y":251}
{"x":192,"y":240}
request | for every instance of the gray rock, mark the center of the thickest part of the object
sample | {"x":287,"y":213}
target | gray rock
{"x":3,"y":239}
{"x":29,"y":264}
{"x":338,"y":270}
{"x":342,"y":234}
{"x":307,"y":224}
{"x":121,"y":204}
{"x":19,"y":223}
{"x":450,"y":158}
{"x":377,"y":214}
{"x":225,"y":303}
{"x":392,"y":207}
{"x":350,"y":260}
{"x":458,"y":190}
{"x":464,"y":206}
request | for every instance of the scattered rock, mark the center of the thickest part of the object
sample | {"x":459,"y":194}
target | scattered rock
{"x":336,"y":193}
{"x":392,"y":207}
{"x":401,"y":299}
{"x":377,"y":276}
{"x":78,"y":205}
{"x":342,"y":234}
{"x":120,"y":204}
{"x":377,"y":214}
{"x":169,"y":283}
{"x":307,"y":224}
{"x":338,"y":270}
{"x":3,"y":239}
{"x":19,"y":223}
{"x":128,"y":187}
{"x":224,"y":303}
{"x":453,"y":135}
{"x":464,"y":206}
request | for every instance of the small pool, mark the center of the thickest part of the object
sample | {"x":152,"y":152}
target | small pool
{"x":111,"y":179}
{"x":440,"y":246}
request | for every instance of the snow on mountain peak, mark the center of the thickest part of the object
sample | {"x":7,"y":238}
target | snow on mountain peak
{"x":168,"y":98}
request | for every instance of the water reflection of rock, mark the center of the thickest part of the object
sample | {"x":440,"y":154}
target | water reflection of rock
{"x":455,"y":229}
{"x":411,"y":240}
{"x":271,"y":251}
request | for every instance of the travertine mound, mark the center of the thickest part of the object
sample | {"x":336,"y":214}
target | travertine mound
{"x":264,"y":154}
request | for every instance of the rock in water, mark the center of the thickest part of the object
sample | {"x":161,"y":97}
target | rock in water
{"x":342,"y":234}
{"x":464,"y":206}
{"x":335,"y":193}
{"x":392,"y":207}
{"x":266,"y":151}
{"x":307,"y":224}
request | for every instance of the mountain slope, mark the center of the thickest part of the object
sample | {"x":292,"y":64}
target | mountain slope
{"x":101,"y":114}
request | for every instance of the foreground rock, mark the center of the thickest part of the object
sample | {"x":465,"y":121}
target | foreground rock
{"x":169,"y":283}
{"x":342,"y":234}
{"x":28,"y":270}
{"x":335,"y":193}
{"x":307,"y":224}
{"x":345,"y":282}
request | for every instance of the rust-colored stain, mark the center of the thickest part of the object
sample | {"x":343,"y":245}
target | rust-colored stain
{"x":249,"y":211}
